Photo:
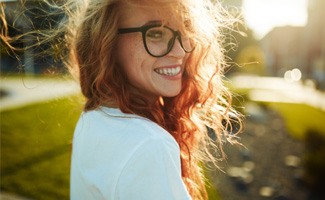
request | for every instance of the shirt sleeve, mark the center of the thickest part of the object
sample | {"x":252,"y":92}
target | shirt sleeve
{"x":153,"y":172}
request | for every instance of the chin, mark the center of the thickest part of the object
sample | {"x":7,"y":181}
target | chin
{"x":173,"y":94}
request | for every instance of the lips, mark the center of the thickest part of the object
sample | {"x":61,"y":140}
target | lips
{"x":168,"y":71}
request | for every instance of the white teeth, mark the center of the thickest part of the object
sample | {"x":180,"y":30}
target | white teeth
{"x":168,"y":71}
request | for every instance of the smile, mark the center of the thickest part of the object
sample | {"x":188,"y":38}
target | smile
{"x":169,"y":71}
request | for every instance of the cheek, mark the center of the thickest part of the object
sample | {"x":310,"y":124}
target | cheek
{"x":128,"y":52}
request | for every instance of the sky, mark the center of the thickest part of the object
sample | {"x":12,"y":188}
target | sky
{"x":263,"y":15}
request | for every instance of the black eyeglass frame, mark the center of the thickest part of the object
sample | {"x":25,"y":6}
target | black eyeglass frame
{"x":145,"y":28}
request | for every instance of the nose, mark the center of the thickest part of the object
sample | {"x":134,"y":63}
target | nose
{"x":177,"y":49}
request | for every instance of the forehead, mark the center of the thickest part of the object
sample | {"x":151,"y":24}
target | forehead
{"x":134,"y":16}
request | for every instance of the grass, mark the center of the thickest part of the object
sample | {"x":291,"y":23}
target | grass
{"x":300,"y":118}
{"x":213,"y":193}
{"x":36,"y":148}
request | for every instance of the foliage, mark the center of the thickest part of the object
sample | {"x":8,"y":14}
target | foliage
{"x":239,"y":44}
{"x":251,"y":60}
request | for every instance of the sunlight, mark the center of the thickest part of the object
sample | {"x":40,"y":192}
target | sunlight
{"x":263,"y":15}
{"x":292,"y":75}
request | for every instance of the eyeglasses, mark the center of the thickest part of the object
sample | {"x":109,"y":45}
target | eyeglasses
{"x":159,"y":40}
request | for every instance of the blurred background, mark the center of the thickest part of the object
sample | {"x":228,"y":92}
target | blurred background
{"x":276,"y":72}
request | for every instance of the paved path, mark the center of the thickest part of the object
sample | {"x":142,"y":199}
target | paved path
{"x":17,"y":92}
{"x":269,"y":167}
{"x":9,"y":196}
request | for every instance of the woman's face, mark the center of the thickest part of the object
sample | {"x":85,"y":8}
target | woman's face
{"x":149,"y":76}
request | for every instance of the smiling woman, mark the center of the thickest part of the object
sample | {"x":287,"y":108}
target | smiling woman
{"x":263,"y":15}
{"x":151,"y":72}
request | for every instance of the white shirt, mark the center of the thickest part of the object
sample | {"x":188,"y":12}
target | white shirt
{"x":118,"y":156}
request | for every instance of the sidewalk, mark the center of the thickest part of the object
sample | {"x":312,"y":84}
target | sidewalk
{"x":18,"y":92}
{"x":269,"y":165}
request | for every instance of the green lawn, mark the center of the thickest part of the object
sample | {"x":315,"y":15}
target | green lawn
{"x":36,"y":148}
{"x":300,"y":118}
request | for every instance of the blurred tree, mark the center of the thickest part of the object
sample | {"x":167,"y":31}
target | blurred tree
{"x":241,"y":46}
{"x":251,"y":60}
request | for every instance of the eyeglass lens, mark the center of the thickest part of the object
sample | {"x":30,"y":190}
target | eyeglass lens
{"x":160,"y":40}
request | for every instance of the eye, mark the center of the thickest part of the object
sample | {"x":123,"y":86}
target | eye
{"x":155,"y":34}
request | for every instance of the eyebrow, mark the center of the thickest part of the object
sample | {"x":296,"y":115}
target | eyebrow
{"x":152,"y":22}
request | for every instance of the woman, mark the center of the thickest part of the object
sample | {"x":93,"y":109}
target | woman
{"x":151,"y":73}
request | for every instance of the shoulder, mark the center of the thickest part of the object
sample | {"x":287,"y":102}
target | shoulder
{"x":114,"y":131}
{"x":111,"y":125}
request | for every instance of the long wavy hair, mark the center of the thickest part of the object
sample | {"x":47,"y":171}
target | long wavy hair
{"x":204,"y":103}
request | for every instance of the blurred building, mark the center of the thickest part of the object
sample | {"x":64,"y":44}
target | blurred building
{"x":290,"y":47}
